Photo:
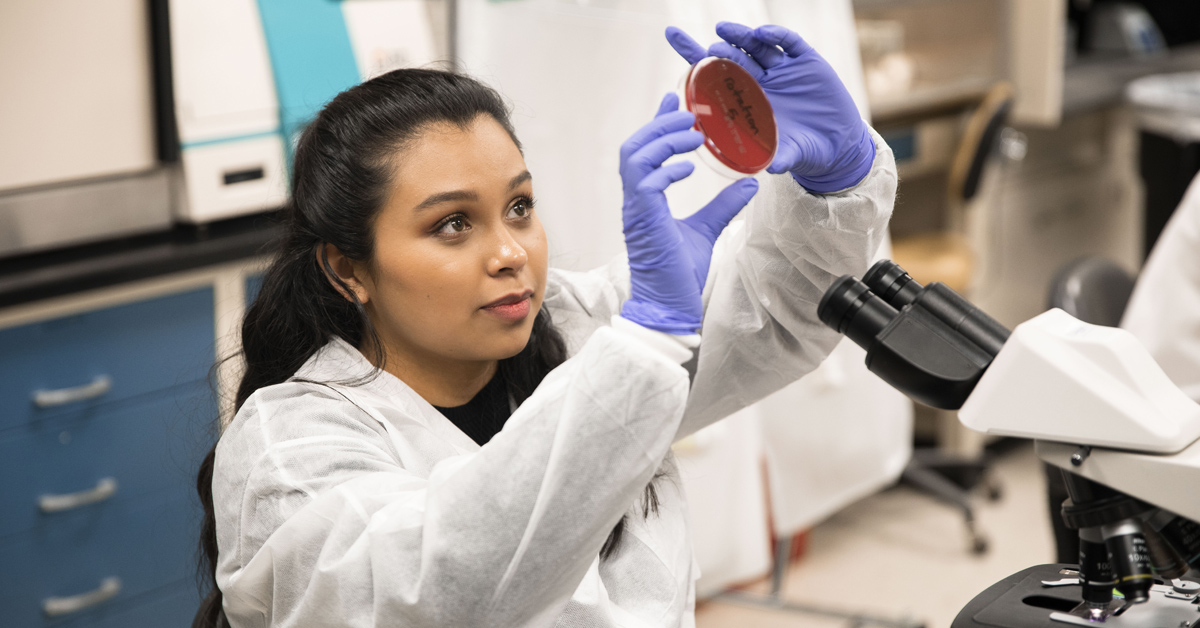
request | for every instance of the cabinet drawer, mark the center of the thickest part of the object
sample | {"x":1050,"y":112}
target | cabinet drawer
{"x":79,"y":362}
{"x":145,"y":545}
{"x":143,"y":445}
{"x":173,"y":606}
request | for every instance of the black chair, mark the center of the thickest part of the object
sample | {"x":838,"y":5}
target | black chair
{"x":1094,"y":290}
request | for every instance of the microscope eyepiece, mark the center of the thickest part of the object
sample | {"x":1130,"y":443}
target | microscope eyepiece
{"x":892,"y":283}
{"x":852,"y":309}
{"x":922,"y":345}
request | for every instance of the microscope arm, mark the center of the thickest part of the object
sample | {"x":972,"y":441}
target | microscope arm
{"x":1167,"y":481}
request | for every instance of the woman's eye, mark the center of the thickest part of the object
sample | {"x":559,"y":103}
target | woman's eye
{"x":521,"y":209}
{"x":454,"y":224}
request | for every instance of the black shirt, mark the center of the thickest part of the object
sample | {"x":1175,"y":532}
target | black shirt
{"x":484,"y":415}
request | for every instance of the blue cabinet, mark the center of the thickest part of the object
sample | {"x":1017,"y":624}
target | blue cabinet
{"x":253,"y":286}
{"x":104,"y":418}
{"x":78,"y":363}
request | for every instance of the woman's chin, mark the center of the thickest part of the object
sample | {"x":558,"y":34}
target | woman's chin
{"x":513,"y":344}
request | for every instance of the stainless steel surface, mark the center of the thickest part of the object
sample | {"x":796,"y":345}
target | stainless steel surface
{"x":105,"y":488}
{"x":47,"y":217}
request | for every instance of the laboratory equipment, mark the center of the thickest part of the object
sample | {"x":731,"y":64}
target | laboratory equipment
{"x":1098,"y":407}
{"x":733,"y":113}
{"x":79,"y":159}
{"x":241,"y":99}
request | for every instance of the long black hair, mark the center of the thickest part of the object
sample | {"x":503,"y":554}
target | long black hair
{"x":340,"y":178}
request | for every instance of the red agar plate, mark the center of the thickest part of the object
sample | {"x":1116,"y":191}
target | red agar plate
{"x":733,"y":113}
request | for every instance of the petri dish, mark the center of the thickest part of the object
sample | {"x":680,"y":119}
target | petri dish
{"x":734,"y":115}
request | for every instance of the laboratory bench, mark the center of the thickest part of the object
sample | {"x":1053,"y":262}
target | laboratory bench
{"x":1098,"y":81}
{"x":110,"y":398}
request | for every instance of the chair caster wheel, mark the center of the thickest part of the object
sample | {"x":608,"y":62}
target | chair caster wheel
{"x":979,"y":546}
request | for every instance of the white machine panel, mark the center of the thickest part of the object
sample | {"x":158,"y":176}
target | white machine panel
{"x":226,"y":110}
{"x":77,"y":99}
{"x":1058,"y":378}
{"x":222,"y":73}
{"x":391,"y":34}
{"x":226,"y":179}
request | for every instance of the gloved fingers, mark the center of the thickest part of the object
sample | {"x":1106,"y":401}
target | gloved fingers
{"x":788,"y":40}
{"x":659,"y":180}
{"x":652,"y":155}
{"x":663,"y":124}
{"x":669,"y":103}
{"x":767,"y":55}
{"x":687,"y":47}
{"x":737,"y":55}
{"x":786,"y":157}
{"x":712,"y":219}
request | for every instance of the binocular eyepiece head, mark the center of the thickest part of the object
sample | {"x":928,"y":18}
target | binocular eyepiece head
{"x":926,"y":341}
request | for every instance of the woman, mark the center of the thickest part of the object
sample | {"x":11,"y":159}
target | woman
{"x":436,"y":430}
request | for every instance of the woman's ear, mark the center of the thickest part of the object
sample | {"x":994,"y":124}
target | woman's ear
{"x":343,"y":273}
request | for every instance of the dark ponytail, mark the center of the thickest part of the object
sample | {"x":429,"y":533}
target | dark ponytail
{"x":340,"y":177}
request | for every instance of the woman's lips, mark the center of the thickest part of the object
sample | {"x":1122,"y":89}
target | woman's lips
{"x":512,"y":311}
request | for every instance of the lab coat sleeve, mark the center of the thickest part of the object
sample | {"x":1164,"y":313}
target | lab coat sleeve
{"x":768,"y":272}
{"x":319,"y":523}
{"x":1164,"y":309}
{"x":761,"y":330}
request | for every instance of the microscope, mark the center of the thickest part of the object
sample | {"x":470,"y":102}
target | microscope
{"x":1097,"y":406}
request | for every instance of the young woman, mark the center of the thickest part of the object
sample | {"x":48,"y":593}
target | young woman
{"x":434,"y":429}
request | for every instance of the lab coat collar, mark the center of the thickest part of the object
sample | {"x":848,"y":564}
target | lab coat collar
{"x":384,"y":396}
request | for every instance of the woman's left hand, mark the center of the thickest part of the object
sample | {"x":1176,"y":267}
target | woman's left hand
{"x":823,"y":141}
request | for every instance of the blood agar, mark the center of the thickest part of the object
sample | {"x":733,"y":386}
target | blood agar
{"x":733,"y":113}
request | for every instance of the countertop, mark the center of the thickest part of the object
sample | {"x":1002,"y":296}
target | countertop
{"x":64,"y":271}
{"x":1095,"y":82}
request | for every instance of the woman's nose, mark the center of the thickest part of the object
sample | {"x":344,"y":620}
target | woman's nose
{"x":507,"y":254}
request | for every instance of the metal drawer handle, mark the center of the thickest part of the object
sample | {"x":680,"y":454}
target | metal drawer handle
{"x":50,"y":398}
{"x":56,"y":606}
{"x":105,"y":488}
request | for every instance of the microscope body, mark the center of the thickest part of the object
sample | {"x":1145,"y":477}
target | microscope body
{"x":1096,"y":404}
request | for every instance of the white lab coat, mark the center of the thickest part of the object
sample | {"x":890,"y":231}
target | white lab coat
{"x":361,"y":505}
{"x":582,"y":76}
{"x":1164,"y":309}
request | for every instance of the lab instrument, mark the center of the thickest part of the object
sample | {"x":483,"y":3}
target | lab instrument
{"x":1097,"y":406}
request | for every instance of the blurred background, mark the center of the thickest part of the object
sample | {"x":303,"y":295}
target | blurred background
{"x":144,"y":150}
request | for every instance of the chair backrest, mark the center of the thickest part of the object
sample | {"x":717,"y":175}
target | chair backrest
{"x":979,"y":137}
{"x":1092,"y":289}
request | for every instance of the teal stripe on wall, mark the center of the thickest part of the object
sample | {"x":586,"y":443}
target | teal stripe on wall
{"x":232,"y":138}
{"x":311,"y":57}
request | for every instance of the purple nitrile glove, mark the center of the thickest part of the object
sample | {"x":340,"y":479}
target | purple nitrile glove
{"x":669,"y":258}
{"x":823,"y":141}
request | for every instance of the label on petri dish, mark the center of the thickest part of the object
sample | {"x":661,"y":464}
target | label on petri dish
{"x":733,"y":113}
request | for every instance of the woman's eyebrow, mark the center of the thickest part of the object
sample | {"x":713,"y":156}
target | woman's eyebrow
{"x":519,"y":179}
{"x":465,"y":195}
{"x":446,"y":197}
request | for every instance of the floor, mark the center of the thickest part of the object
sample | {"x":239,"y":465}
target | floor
{"x":899,"y":554}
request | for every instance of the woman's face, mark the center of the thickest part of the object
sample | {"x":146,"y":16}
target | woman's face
{"x":460,"y":256}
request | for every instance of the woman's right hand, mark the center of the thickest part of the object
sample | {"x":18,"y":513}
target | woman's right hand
{"x":669,"y":258}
